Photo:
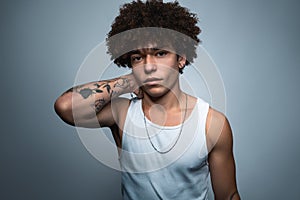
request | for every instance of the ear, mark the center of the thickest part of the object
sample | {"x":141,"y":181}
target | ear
{"x":181,"y":61}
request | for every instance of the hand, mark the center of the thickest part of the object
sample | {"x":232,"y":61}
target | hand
{"x":139,"y":93}
{"x":134,"y":86}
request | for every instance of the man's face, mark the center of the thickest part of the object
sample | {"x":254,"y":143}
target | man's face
{"x":156,"y":70}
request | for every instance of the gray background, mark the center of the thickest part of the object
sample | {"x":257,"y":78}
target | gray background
{"x":254,"y":43}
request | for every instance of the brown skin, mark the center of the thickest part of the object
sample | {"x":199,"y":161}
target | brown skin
{"x":221,"y":160}
{"x":98,"y":103}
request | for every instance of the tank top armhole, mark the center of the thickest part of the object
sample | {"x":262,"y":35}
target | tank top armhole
{"x":204,"y":107}
{"x":127,"y":116}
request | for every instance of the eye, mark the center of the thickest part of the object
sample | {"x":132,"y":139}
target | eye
{"x":161,"y":53}
{"x":136,"y":58}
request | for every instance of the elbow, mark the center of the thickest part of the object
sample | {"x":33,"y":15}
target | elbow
{"x":63,"y":108}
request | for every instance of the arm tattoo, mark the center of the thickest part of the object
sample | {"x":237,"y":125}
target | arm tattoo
{"x":86,"y":92}
{"x":122,"y":83}
{"x":99,"y":104}
{"x":100,"y":87}
{"x":232,"y":195}
{"x":108,"y":88}
{"x":114,"y":93}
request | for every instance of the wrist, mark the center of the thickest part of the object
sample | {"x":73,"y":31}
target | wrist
{"x":123,"y":85}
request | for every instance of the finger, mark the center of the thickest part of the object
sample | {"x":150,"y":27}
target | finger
{"x":139,"y":93}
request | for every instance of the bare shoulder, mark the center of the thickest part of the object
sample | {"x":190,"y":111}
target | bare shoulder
{"x":221,"y":159}
{"x":218,"y":130}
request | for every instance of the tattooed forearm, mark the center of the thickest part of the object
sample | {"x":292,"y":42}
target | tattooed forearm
{"x":86,"y":92}
{"x":108,"y":88}
{"x":97,"y":96}
{"x":99,"y":87}
{"x":122,"y":83}
{"x":102,"y":91}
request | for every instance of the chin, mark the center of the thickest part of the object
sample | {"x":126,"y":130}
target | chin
{"x":156,"y":91}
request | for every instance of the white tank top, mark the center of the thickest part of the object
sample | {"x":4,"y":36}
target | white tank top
{"x":181,"y":174}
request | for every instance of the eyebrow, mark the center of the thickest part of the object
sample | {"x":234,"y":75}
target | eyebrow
{"x":140,"y":51}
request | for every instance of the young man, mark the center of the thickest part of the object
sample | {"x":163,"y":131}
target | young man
{"x":169,"y":141}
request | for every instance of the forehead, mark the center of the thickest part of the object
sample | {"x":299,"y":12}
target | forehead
{"x":152,"y":47}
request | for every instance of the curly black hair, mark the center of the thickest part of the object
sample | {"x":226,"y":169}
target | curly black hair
{"x":153,"y":21}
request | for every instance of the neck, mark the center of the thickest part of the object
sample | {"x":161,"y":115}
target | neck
{"x":168,"y":110}
{"x":169,"y":101}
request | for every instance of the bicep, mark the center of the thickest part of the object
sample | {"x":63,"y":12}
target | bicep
{"x":108,"y":116}
{"x":221,"y":159}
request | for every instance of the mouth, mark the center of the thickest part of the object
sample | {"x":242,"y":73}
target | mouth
{"x":152,"y":81}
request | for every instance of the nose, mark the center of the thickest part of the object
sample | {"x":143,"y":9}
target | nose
{"x":150,"y":64}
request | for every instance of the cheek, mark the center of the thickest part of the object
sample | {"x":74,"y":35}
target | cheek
{"x":138,"y":74}
{"x":172,"y":75}
{"x":171,"y":72}
{"x":137,"y":69}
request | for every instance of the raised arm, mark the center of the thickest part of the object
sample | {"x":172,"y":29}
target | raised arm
{"x":221,"y":160}
{"x":90,"y":105}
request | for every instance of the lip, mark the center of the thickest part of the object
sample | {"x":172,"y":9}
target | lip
{"x":152,"y":81}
